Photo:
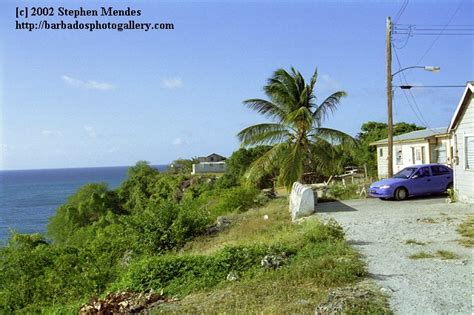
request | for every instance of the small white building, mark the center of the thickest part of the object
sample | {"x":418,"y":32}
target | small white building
{"x":414,"y":148}
{"x":461,"y":130}
{"x":213,"y":163}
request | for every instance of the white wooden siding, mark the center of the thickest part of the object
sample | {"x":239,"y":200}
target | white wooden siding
{"x":464,"y":178}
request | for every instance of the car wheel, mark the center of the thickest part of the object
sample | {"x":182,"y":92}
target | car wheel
{"x":401,"y":193}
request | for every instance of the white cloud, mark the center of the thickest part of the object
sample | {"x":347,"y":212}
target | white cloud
{"x":179,"y":141}
{"x":172,"y":83}
{"x":91,"y":84}
{"x":328,"y":83}
{"x":47,"y":132}
{"x":90,"y":131}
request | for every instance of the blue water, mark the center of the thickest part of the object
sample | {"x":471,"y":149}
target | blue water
{"x":29,"y":197}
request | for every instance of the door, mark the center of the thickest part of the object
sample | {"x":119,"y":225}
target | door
{"x":441,"y":177}
{"x":418,"y":155}
{"x":421,"y":182}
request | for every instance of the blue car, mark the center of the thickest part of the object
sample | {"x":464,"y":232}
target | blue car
{"x":414,"y":181}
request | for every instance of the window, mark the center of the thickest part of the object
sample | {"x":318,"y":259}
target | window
{"x":439,"y":170}
{"x":438,"y":155}
{"x":381,"y":152}
{"x":469,"y":152}
{"x":423,"y":172}
{"x":398,"y":154}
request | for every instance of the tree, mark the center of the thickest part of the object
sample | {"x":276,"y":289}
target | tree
{"x":239,"y":162}
{"x":296,"y":132}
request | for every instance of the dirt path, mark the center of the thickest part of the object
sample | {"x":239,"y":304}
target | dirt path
{"x":380,"y":229}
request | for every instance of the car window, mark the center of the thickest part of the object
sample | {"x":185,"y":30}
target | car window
{"x":405,"y":173}
{"x":439,"y":170}
{"x":423,"y":172}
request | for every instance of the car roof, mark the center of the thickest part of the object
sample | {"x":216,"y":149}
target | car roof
{"x":424,"y":165}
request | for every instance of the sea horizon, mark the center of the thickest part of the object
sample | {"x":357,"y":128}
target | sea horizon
{"x":28,"y":198}
{"x":75,"y":167}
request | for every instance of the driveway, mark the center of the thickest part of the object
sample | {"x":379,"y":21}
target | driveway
{"x":380,"y":229}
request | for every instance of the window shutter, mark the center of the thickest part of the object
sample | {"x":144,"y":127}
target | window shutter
{"x":469,"y":148}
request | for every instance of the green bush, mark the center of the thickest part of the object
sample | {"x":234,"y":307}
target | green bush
{"x":182,"y":274}
{"x":87,"y":205}
{"x":165,"y":225}
{"x":236,"y":199}
{"x":342,"y":192}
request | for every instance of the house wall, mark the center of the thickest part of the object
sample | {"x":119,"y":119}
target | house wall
{"x":463,"y":178}
{"x":209,"y":167}
{"x":407,"y":154}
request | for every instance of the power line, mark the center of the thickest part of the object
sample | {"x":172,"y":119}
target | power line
{"x":437,"y":25}
{"x":406,"y":41}
{"x":444,"y":28}
{"x":436,"y":34}
{"x":417,"y":112}
{"x":401,"y":10}
{"x":407,"y":87}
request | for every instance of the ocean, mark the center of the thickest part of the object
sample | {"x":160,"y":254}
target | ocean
{"x":28,"y":198}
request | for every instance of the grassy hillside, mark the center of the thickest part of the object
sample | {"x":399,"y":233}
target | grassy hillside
{"x":318,"y":261}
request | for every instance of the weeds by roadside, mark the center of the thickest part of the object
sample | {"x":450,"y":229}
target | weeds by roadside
{"x":414,"y":242}
{"x":442,"y":254}
{"x":466,"y":229}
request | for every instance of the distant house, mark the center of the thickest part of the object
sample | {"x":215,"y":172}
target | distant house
{"x":462,"y":133}
{"x":214,"y":157}
{"x":413,"y":148}
{"x":213,"y":163}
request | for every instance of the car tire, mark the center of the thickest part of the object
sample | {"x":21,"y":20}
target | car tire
{"x":401,"y":194}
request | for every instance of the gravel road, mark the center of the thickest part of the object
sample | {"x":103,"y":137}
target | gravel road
{"x":379,"y":231}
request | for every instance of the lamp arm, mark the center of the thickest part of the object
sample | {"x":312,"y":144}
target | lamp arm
{"x":406,"y":69}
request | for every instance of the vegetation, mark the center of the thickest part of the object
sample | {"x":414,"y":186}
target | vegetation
{"x":99,"y":232}
{"x":316,"y":259}
{"x":466,"y":229}
{"x":421,"y":255}
{"x":152,"y":233}
{"x":443,"y":254}
{"x":414,"y":242}
{"x":300,"y":143}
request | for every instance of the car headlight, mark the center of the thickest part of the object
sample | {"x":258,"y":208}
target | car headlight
{"x":384,"y":186}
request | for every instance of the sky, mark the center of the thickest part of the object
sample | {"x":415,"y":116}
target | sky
{"x":72,"y":98}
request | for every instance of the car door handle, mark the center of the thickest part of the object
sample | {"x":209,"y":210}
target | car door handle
{"x":428,"y":180}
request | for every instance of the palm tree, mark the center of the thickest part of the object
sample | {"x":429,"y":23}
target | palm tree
{"x":300,"y":143}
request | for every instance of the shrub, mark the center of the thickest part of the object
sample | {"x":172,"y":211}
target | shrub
{"x":186,"y":273}
{"x":342,"y":192}
{"x":87,"y":205}
{"x":236,"y":199}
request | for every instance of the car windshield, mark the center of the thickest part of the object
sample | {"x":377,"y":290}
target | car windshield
{"x":405,"y":173}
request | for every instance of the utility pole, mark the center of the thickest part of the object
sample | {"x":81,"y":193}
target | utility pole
{"x":389,"y":98}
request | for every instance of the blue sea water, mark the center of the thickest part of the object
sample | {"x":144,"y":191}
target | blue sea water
{"x":28,"y":198}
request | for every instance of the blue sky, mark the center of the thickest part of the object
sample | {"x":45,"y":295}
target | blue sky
{"x":105,"y":98}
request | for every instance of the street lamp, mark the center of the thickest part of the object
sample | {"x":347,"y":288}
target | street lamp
{"x":390,"y":116}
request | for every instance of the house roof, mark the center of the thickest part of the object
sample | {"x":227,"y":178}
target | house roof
{"x":462,"y":105}
{"x":415,"y":135}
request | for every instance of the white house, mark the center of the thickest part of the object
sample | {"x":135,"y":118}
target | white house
{"x":213,"y":163}
{"x":461,"y":130}
{"x":413,"y":148}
